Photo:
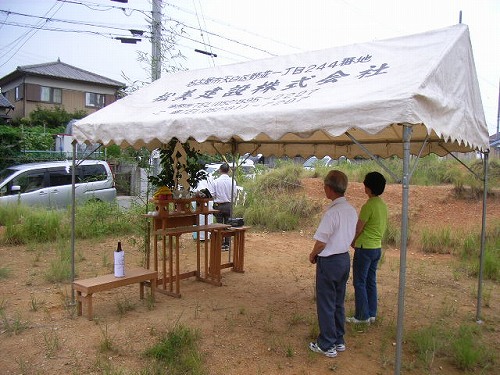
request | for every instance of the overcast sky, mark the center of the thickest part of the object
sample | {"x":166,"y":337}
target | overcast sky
{"x":235,"y":30}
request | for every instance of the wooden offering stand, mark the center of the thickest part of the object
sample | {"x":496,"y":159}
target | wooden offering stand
{"x":171,"y":219}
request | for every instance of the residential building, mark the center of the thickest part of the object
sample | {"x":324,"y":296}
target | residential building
{"x":57,"y":84}
{"x":5,"y":108}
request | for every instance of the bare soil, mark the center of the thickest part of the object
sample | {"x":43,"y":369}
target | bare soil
{"x":257,"y":322}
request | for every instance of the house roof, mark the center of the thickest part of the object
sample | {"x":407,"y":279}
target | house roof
{"x":4,"y":103}
{"x":60,"y":70}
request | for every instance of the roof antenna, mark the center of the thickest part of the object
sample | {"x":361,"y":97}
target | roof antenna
{"x":460,"y":17}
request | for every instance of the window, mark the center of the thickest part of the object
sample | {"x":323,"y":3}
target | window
{"x":50,"y":95}
{"x":90,"y":173}
{"x":30,"y":181}
{"x":19,"y":92}
{"x":60,"y":176}
{"x":95,"y":100}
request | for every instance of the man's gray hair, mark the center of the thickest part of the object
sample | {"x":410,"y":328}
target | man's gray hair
{"x":337,"y":181}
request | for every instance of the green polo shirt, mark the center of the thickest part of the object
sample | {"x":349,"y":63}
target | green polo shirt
{"x":374,"y":215}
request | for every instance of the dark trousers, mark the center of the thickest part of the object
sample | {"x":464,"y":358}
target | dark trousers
{"x":332,"y":274}
{"x":364,"y":277}
{"x":223,"y":216}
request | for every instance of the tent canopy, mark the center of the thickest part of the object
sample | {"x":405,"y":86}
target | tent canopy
{"x":312,"y":103}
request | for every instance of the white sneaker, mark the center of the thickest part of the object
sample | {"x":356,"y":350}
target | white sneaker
{"x":332,"y":352}
{"x":372,"y":319}
{"x":353,"y":320}
{"x":340,"y":347}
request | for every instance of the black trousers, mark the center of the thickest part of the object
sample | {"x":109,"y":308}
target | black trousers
{"x":223,"y":216}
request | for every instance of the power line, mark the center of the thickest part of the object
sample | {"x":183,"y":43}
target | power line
{"x":28,"y":36}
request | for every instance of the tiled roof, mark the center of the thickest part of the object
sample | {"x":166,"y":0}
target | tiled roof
{"x":4,"y":103}
{"x":59,"y":69}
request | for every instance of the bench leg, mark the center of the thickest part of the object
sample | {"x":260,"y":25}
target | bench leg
{"x":90,"y":308}
{"x":79,"y":309}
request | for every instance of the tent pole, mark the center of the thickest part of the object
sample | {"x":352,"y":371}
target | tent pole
{"x":404,"y":242}
{"x":73,"y":202}
{"x":483,"y":239}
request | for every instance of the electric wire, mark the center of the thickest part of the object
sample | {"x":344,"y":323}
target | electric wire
{"x":28,"y":35}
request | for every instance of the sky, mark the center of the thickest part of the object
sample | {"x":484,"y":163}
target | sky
{"x":83,"y":32}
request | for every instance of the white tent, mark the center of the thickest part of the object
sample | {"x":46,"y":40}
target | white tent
{"x":416,"y":94}
{"x":304,"y":104}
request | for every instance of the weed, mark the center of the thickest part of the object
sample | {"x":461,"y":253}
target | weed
{"x":426,"y":343}
{"x":14,"y":325}
{"x":51,"y":340}
{"x":4,"y":272}
{"x":124,"y":305}
{"x":438,"y":241}
{"x":150,"y":302}
{"x":467,"y":350}
{"x":178,"y":351}
{"x":106,"y":344}
{"x":35,"y":303}
{"x":60,"y":268}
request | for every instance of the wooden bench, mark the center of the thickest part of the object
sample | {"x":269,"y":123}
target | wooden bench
{"x":86,"y":287}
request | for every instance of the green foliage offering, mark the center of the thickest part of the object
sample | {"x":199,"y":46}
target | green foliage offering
{"x":172,"y":167}
{"x":177,"y":352}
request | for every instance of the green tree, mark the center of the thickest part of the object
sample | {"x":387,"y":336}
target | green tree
{"x":53,"y":118}
{"x":10,"y":145}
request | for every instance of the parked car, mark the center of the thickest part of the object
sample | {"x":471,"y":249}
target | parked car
{"x":48,"y":184}
{"x":313,"y":162}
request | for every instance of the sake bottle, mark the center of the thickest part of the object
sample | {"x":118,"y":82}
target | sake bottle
{"x":119,"y":261}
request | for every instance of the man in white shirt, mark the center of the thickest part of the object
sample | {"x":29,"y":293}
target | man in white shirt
{"x":331,"y":256}
{"x":223,"y":191}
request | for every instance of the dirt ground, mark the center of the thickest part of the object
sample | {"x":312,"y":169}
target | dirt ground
{"x":257,"y":322}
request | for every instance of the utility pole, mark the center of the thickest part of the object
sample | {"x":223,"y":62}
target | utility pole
{"x":156,"y":41}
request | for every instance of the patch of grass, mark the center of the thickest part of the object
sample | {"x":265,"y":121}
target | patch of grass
{"x":470,"y":250}
{"x":467,"y":350}
{"x":4,"y":272}
{"x":427,"y":343}
{"x":35,"y":304}
{"x":438,"y":241}
{"x":25,"y":225}
{"x":124,"y":305}
{"x":106,"y":344}
{"x":177,"y":352}
{"x":60,"y":268}
{"x":12,"y":326}
{"x":463,"y":346}
{"x":51,"y":341}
